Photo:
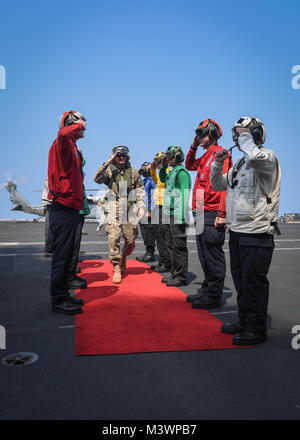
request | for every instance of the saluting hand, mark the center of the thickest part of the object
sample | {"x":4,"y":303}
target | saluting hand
{"x":164,"y":160}
{"x":196,"y":142}
{"x":112,"y":157}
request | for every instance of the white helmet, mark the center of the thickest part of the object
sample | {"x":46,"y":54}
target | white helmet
{"x":255,"y":126}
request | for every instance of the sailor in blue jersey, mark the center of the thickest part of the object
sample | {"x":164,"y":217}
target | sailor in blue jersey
{"x":148,"y":230}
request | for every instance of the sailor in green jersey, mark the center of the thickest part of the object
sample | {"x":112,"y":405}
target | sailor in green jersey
{"x":176,"y":198}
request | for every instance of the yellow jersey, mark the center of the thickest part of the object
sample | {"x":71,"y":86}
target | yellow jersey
{"x":160,"y":187}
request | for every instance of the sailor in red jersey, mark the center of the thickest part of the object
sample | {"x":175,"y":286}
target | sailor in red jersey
{"x":211,"y":239}
{"x":65,"y":181}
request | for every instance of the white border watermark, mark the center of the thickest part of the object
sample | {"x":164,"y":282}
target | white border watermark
{"x":123,"y":209}
{"x":295,"y":342}
{"x":2,"y":78}
{"x":296,"y":78}
{"x":2,"y":338}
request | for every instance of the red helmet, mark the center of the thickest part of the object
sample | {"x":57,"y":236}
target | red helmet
{"x":68,"y":118}
{"x":209,"y":127}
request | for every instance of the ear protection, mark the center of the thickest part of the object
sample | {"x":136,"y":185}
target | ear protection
{"x":257,"y":133}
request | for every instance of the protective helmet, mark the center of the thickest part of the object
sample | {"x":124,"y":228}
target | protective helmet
{"x":255,"y":126}
{"x":121,"y":150}
{"x":158,"y":158}
{"x":209,"y":127}
{"x":68,"y":118}
{"x":145,"y":169}
{"x":176,"y":152}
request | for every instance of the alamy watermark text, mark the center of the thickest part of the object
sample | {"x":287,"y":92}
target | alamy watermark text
{"x":2,"y":338}
{"x":296,"y":78}
{"x":2,"y":78}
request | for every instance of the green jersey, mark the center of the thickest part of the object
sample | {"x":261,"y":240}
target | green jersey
{"x":177,"y":191}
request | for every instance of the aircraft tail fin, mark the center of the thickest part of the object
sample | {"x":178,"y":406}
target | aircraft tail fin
{"x":17,"y":208}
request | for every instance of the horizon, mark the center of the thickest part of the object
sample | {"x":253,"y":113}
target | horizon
{"x":144,"y":75}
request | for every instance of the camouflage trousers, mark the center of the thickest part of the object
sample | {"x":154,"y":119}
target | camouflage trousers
{"x":129,"y":233}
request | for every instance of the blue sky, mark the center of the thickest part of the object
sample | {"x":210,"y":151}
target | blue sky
{"x":145,"y":74}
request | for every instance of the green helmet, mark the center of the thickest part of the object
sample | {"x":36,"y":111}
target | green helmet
{"x":176,"y":152}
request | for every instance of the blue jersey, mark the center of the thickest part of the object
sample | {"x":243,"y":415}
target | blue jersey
{"x":149,"y":188}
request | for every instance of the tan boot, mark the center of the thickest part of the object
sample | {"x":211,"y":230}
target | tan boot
{"x":117,"y":278}
{"x":123,"y":265}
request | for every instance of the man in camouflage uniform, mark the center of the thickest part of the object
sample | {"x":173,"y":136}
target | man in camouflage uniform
{"x":124,"y":206}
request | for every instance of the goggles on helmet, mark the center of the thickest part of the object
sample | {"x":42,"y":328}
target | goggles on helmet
{"x":145,"y":169}
{"x":78,"y":115}
{"x":244,"y":122}
{"x":68,"y":118}
{"x":202,"y":131}
{"x":73,"y":117}
{"x":175,"y":152}
{"x":170,"y":155}
{"x":158,"y":158}
{"x":121,"y":150}
{"x":210,"y":128}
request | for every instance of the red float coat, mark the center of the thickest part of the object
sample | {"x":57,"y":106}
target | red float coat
{"x":65,"y":176}
{"x":213,"y":200}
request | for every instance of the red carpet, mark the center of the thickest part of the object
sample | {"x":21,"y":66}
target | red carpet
{"x":140,"y":315}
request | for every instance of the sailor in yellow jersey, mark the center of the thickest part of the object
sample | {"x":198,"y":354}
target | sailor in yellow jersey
{"x":164,"y":264}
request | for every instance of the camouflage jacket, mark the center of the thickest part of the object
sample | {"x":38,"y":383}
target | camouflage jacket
{"x":126,"y":195}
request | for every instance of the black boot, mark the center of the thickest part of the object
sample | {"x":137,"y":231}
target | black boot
{"x":77,"y":301}
{"x":77,"y":283}
{"x":191,"y":298}
{"x":206,"y":302}
{"x":166,"y":279}
{"x":146,"y":258}
{"x":249,"y":338}
{"x":67,"y":307}
{"x":162,"y":269}
{"x":232,"y":328}
{"x":176,"y":282}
